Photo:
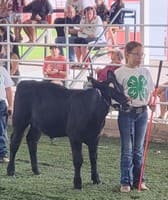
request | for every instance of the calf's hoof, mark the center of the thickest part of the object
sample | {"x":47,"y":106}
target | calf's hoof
{"x":96,"y":179}
{"x":10,"y":171}
{"x":77,"y":183}
{"x":36,"y":171}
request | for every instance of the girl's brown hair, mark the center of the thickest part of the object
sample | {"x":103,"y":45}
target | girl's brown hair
{"x":130,"y":46}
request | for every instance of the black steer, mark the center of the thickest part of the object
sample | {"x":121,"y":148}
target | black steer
{"x":57,"y":112}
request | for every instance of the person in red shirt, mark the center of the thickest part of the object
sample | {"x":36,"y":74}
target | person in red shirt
{"x":55,"y":65}
{"x":116,"y":60}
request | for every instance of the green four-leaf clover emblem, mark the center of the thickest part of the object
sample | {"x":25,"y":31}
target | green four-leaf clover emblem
{"x":137,"y":87}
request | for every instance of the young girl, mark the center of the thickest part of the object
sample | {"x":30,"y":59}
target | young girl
{"x":138,"y":86}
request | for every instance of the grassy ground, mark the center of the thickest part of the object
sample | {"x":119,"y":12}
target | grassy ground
{"x":55,"y":182}
{"x":37,"y":52}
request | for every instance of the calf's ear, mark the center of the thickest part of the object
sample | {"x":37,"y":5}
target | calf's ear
{"x":111,"y":78}
{"x":110,"y":75}
{"x":90,"y":78}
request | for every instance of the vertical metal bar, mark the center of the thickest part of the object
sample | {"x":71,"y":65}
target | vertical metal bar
{"x":8,"y":47}
{"x":135,"y":25}
{"x":67,"y":52}
{"x":127,"y":33}
{"x":149,"y":128}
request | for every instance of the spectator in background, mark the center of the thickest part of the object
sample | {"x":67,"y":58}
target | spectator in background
{"x":17,"y":18}
{"x":14,"y":63}
{"x":3,"y":38}
{"x":70,"y":18}
{"x":80,"y":5}
{"x":6,"y":107}
{"x":77,"y":4}
{"x":90,"y":33}
{"x":102,"y":10}
{"x":115,"y":7}
{"x":116,"y":61}
{"x":39,"y":9}
{"x":5,"y":9}
{"x":55,"y":65}
{"x":163,"y":95}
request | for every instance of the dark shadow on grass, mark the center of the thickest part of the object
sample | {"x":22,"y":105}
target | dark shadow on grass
{"x":40,"y":163}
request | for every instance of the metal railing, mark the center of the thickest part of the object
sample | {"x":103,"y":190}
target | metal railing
{"x":44,"y":43}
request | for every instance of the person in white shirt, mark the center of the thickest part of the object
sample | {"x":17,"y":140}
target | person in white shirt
{"x":6,"y":106}
{"x":138,"y":86}
{"x":91,"y":33}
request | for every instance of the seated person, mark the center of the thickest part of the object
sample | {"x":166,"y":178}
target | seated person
{"x":77,"y":4}
{"x":5,"y":9}
{"x":70,"y":18}
{"x":55,"y":65}
{"x":102,"y":10}
{"x":39,"y":9}
{"x":163,"y":95}
{"x":17,"y":9}
{"x":114,"y":9}
{"x":116,"y":58}
{"x":3,"y":38}
{"x":14,"y":63}
{"x":90,"y":33}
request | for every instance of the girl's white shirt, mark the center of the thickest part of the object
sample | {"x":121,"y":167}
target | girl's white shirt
{"x":137,"y":83}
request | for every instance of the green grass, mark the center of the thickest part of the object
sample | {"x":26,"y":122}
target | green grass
{"x":37,"y":53}
{"x":55,"y":181}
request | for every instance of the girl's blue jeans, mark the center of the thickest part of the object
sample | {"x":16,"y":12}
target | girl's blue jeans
{"x":132,"y":127}
{"x":3,"y":124}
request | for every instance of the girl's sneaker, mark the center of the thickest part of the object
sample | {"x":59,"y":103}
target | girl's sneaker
{"x":4,"y":159}
{"x":125,"y":188}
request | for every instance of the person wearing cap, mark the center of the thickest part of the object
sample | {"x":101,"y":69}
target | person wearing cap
{"x":91,"y":33}
{"x":116,"y":61}
{"x":55,"y":65}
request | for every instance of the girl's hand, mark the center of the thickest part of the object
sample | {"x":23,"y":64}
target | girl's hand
{"x":152,"y":107}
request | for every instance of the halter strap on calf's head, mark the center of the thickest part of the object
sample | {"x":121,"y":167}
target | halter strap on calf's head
{"x":111,"y":89}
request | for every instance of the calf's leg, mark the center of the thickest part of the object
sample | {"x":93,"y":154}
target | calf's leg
{"x":15,"y":141}
{"x":93,"y":161}
{"x":32,"y":138}
{"x":77,"y":162}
